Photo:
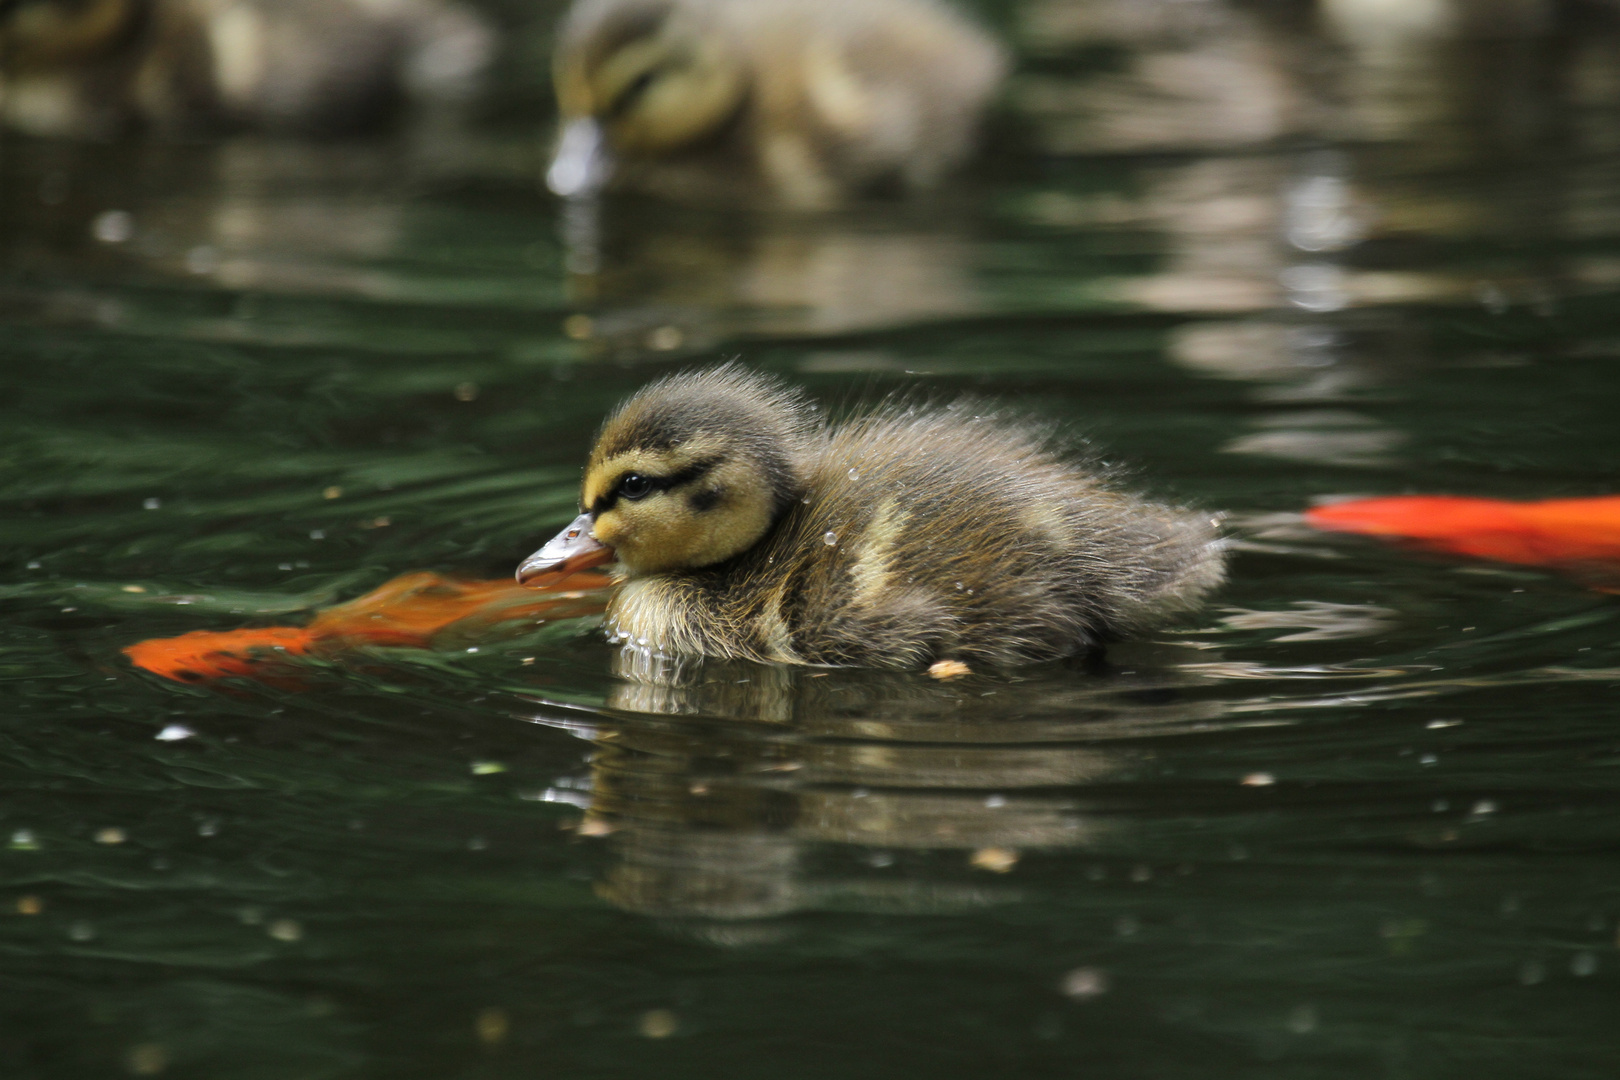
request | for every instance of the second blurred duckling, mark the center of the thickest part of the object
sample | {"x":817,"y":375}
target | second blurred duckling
{"x":92,"y":68}
{"x":814,"y":100}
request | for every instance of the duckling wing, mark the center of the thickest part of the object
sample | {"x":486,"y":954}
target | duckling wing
{"x":942,"y":534}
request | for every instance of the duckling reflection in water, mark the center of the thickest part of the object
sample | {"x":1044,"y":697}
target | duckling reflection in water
{"x":95,"y":67}
{"x":745,"y":527}
{"x":814,"y":99}
{"x":938,"y":789}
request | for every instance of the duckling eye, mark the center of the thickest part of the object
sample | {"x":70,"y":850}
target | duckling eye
{"x":635,"y":486}
{"x":627,"y":97}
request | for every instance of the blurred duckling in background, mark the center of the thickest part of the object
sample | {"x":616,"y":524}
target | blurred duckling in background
{"x":745,"y":527}
{"x":814,"y":99}
{"x":92,"y":68}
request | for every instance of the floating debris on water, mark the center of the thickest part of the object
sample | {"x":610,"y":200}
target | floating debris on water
{"x":997,"y":860}
{"x":492,"y":1025}
{"x":658,"y":1023}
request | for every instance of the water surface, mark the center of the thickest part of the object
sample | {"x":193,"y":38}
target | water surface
{"x":1355,"y":819}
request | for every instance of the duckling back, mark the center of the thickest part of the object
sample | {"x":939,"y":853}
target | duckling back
{"x":937,"y":533}
{"x":852,"y":93}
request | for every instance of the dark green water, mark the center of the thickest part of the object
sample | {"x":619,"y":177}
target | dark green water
{"x":382,"y":874}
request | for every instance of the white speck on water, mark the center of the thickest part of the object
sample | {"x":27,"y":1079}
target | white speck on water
{"x":1302,"y":1020}
{"x":1084,"y":983}
{"x":285,"y":930}
{"x":472,"y":648}
{"x":880,"y":859}
{"x":284,"y":566}
{"x":1583,"y":964}
{"x":830,"y":539}
{"x":562,"y":795}
{"x":996,"y":802}
{"x":853,"y":475}
{"x":174,"y":733}
{"x":1428,"y":759}
{"x":1484,"y":807}
{"x":860,"y":793}
{"x":317,"y":534}
{"x":1435,"y":725}
{"x":81,"y":931}
{"x":958,"y":586}
{"x":1258,"y":779}
{"x":23,"y":840}
{"x":34,"y":565}
{"x":208,"y":828}
{"x":151,"y":504}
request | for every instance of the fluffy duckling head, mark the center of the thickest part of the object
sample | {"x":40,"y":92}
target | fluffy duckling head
{"x":638,"y":79}
{"x":53,"y":34}
{"x":688,"y":472}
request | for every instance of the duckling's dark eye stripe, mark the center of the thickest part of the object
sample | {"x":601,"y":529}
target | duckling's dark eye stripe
{"x":692,"y":473}
{"x":627,"y":97}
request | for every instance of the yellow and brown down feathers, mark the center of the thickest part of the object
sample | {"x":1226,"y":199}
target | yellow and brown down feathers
{"x":747,"y":527}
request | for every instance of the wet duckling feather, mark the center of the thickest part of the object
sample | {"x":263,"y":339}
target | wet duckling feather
{"x":746,"y":527}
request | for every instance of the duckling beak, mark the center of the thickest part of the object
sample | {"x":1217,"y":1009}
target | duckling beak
{"x":570,"y":551}
{"x":582,"y":163}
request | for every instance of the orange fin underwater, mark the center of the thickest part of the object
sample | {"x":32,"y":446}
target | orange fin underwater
{"x":1568,"y":533}
{"x":409,"y":611}
{"x":207,"y":654}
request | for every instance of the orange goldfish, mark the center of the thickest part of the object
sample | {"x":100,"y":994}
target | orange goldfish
{"x":409,"y":611}
{"x":1578,"y":534}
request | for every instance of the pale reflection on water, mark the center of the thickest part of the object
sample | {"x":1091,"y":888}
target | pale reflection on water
{"x":718,"y":816}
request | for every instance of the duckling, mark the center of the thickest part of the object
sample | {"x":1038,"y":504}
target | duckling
{"x":744,"y":526}
{"x":813,"y":99}
{"x":95,"y":67}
